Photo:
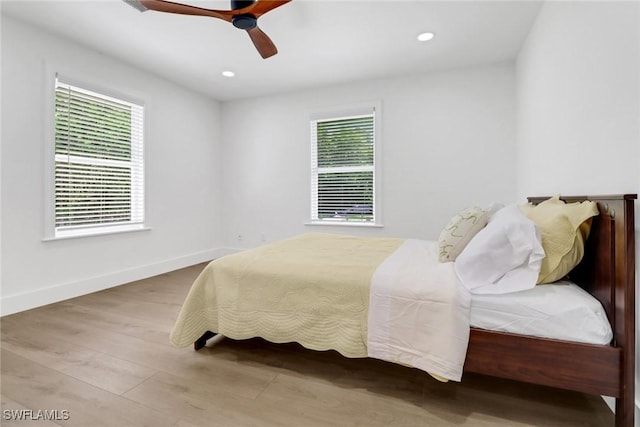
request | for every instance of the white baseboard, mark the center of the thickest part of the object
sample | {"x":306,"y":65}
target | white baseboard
{"x":11,"y":304}
{"x":611,"y":403}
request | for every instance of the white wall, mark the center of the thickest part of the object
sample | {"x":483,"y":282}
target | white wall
{"x":183,"y":176}
{"x":578,"y":78}
{"x":578,"y":100}
{"x":448,"y":141}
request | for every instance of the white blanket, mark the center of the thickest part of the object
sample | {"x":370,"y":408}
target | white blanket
{"x":418,"y":313}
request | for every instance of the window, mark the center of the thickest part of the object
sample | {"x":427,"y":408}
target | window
{"x":343,"y":169}
{"x":99,"y":169}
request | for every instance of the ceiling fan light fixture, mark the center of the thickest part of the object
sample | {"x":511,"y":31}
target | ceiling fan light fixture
{"x":244,"y":21}
{"x":423,"y":37}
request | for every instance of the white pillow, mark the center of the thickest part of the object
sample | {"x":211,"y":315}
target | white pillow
{"x":503,"y":257}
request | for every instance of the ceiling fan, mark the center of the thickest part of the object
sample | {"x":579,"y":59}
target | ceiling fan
{"x":244,"y":15}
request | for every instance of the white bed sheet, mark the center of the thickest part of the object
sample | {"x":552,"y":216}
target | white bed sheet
{"x":418,"y":312}
{"x":560,"y":310}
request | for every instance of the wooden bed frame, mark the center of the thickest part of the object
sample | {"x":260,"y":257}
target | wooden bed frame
{"x":607,"y":271}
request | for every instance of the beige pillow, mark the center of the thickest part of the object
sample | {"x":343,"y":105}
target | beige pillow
{"x":564,"y":228}
{"x":459,"y":231}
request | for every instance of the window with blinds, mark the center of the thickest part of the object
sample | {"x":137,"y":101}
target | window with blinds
{"x":343,"y":169}
{"x":99,"y":169}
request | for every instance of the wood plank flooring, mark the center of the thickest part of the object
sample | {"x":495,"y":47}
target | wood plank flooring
{"x":105,"y":359}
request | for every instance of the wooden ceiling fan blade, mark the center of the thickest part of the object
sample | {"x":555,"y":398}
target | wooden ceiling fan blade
{"x":261,"y":7}
{"x":185,"y":9}
{"x":262,"y":42}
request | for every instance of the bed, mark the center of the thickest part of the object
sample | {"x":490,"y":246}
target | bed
{"x":606,"y":272}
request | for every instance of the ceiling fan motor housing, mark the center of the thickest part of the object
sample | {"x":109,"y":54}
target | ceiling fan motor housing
{"x":239,"y":4}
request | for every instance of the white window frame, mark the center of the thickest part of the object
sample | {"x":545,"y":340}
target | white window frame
{"x":343,"y":112}
{"x":138,"y":174}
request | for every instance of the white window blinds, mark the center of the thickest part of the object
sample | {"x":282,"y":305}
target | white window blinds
{"x":343,"y":169}
{"x":99,"y":170}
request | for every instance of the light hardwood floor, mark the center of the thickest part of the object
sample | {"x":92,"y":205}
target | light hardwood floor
{"x":106,"y":359}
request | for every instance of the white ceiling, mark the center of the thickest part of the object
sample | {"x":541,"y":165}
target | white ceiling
{"x":320,"y":42}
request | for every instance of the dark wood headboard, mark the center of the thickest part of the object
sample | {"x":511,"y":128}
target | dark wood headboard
{"x":607,"y":271}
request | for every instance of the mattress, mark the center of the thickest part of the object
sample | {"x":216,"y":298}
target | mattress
{"x":560,"y":310}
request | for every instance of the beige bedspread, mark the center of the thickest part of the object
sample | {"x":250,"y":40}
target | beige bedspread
{"x":312,"y":289}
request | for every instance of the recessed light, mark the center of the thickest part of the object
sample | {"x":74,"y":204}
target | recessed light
{"x":228,"y":73}
{"x":426,"y":36}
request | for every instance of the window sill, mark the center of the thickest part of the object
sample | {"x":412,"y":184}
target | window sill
{"x":96,"y":232}
{"x":344,"y":224}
